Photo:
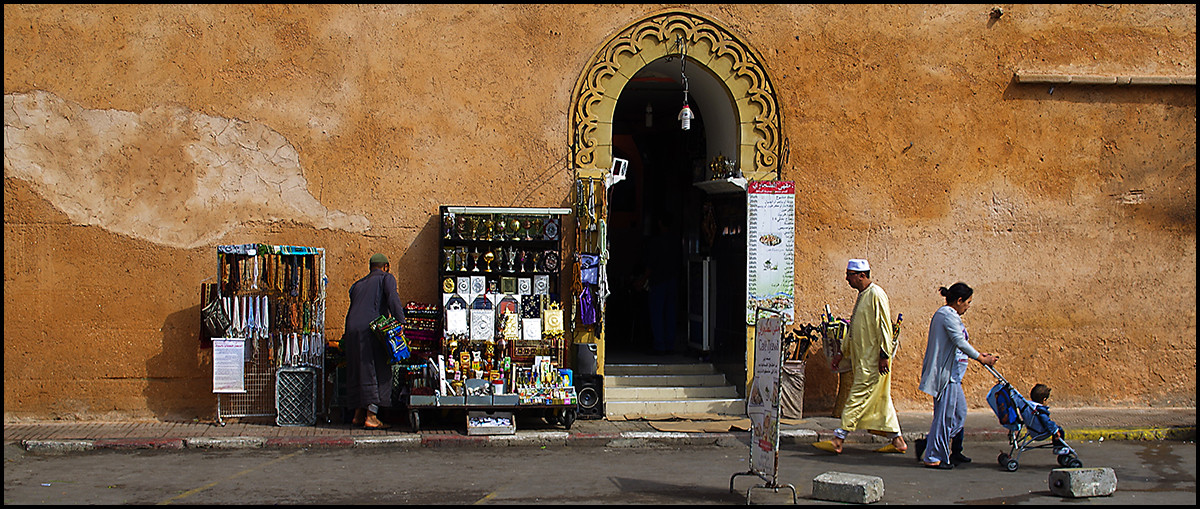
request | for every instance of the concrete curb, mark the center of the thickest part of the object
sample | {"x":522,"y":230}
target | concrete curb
{"x":225,"y":443}
{"x":139,"y":443}
{"x":625,"y":439}
{"x":57,"y":446}
{"x":1171,"y":433}
{"x":408,"y":441}
{"x":310,"y":442}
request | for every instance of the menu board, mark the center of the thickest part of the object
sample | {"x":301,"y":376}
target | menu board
{"x":770,"y":250}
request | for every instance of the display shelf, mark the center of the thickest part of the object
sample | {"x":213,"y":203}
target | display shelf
{"x":499,"y":274}
{"x":723,"y":186}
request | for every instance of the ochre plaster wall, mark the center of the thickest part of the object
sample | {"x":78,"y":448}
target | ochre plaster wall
{"x":137,"y":138}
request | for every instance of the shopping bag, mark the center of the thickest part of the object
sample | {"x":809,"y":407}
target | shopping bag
{"x":391,"y":333}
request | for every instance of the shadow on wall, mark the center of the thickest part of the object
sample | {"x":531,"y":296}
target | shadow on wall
{"x":416,"y":270}
{"x":179,"y":377}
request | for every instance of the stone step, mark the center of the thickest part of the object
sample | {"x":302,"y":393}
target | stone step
{"x":709,"y":380}
{"x":619,"y":393}
{"x":658,"y":369}
{"x":724,"y":406}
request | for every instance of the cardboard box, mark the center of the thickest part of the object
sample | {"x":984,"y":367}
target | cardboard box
{"x":451,"y":400}
{"x":480,"y":400}
{"x":422,"y":400}
{"x":505,"y":399}
{"x":497,"y":422}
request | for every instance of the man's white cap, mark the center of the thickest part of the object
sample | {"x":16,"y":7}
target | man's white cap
{"x":858,"y":265}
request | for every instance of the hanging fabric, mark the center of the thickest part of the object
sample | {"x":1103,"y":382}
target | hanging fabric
{"x":587,"y":306}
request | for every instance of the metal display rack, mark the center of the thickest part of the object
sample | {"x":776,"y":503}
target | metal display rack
{"x":492,"y":260}
{"x":275,"y":297}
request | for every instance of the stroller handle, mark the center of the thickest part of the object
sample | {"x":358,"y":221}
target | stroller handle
{"x":995,"y":373}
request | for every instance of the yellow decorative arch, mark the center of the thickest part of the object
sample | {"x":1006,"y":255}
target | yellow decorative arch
{"x":725,"y":55}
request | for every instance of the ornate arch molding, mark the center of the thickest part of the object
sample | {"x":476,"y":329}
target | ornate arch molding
{"x":725,"y":55}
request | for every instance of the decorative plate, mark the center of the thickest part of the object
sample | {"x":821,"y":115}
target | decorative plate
{"x":551,"y":229}
{"x":550,"y":261}
{"x":448,"y":285}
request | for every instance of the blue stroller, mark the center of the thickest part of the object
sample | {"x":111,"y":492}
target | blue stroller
{"x":1025,"y":426}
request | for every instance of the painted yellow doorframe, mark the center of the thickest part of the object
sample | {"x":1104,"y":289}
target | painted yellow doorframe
{"x":725,"y":55}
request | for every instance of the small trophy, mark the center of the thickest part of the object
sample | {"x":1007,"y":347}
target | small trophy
{"x":512,"y":228}
{"x":512,"y":259}
{"x":487,"y":258}
{"x":498,"y":228}
{"x":462,"y":258}
{"x":475,"y":260}
{"x":487,"y":230}
{"x":474,"y":223}
{"x":537,"y":229}
{"x":528,"y":226}
{"x":448,"y":253}
{"x":461,"y":228}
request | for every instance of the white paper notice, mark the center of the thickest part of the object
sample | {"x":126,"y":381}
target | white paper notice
{"x":229,"y":365}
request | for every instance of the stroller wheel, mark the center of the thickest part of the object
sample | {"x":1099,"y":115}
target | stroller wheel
{"x":1002,"y":459}
{"x":1069,"y":460}
{"x":1011,"y":465}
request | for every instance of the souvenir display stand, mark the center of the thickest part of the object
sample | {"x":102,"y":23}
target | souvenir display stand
{"x":503,"y":345}
{"x":275,"y":299}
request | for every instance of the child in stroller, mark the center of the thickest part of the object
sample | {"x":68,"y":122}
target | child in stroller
{"x":1027,"y":423}
{"x":1039,"y":394}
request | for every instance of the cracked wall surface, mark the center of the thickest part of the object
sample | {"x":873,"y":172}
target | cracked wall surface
{"x":139,"y":137}
{"x":165,"y":175}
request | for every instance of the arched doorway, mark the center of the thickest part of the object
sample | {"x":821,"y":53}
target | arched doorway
{"x":736,"y":117}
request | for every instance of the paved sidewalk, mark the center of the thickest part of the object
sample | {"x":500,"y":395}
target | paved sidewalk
{"x":58,"y":436}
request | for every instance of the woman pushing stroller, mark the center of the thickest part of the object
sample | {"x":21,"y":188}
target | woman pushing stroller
{"x":945,"y":363}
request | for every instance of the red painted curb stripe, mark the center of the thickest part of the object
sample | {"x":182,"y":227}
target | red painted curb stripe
{"x":309,"y":442}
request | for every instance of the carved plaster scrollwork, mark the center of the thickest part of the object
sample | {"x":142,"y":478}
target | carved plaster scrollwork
{"x":725,"y":55}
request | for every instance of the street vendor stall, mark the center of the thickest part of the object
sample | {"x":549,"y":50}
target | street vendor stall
{"x":268,"y":352}
{"x":502,"y":345}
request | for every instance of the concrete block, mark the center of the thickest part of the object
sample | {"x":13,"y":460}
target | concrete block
{"x":1083,"y":482}
{"x":849,"y":488}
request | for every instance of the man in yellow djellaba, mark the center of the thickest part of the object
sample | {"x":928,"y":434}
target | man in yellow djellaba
{"x":869,"y":347}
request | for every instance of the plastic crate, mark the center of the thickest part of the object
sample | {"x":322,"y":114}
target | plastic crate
{"x":296,"y":396}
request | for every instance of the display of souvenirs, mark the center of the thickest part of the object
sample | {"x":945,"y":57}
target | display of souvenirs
{"x":421,"y":329}
{"x":498,"y":269}
{"x":543,"y":383}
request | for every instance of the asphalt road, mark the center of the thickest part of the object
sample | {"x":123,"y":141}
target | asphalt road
{"x":1149,"y":472}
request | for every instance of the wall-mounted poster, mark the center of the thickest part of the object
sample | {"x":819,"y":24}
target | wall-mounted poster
{"x":770,"y":251}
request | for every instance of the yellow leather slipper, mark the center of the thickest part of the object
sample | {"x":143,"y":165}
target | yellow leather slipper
{"x":890,"y":448}
{"x":827,"y":446}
